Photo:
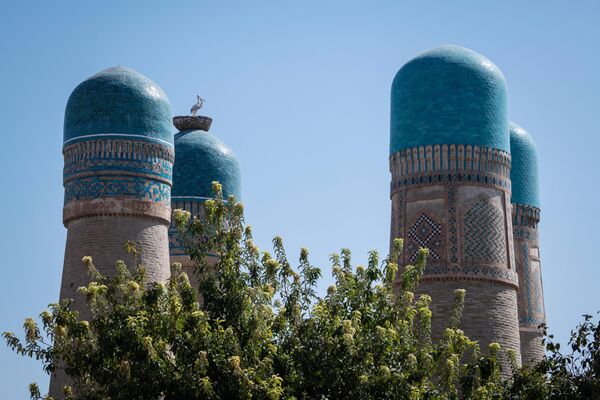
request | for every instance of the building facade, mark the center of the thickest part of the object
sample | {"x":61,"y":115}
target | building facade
{"x":450,"y":161}
{"x":118,"y":163}
{"x":464,"y":185}
{"x":526,"y":216}
{"x":201,"y":159}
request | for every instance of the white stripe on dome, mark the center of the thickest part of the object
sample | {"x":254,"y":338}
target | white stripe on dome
{"x":120,"y":135}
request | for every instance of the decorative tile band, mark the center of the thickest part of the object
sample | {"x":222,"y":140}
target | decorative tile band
{"x":497,"y":275}
{"x":116,"y":207}
{"x":115,"y":186}
{"x":450,"y":157}
{"x":124,"y":156}
{"x":160,"y":169}
{"x":194,"y":205}
{"x":469,"y":278}
{"x":466,"y":177}
{"x":118,"y":149}
{"x":525,"y":216}
{"x":122,"y":175}
{"x":494,"y":274}
{"x":522,"y":232}
{"x":432,"y":165}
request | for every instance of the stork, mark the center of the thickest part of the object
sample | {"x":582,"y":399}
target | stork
{"x":197,"y":106}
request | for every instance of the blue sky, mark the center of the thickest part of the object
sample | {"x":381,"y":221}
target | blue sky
{"x":300,"y":91}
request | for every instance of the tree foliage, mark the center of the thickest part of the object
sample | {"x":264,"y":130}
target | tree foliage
{"x":572,"y":375}
{"x":261,"y":331}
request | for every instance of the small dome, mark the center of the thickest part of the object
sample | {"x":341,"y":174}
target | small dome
{"x":118,"y":101}
{"x":200,"y":159}
{"x":524,"y":167}
{"x":449,"y":95}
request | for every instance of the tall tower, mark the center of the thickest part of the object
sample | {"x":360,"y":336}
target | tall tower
{"x":118,"y":160}
{"x":201,"y":159}
{"x":450,"y":189}
{"x":526,"y":216}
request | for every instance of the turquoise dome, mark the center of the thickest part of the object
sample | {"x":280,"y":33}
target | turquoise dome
{"x":121,"y":102}
{"x":449,"y":95}
{"x":200,"y":159}
{"x":524,"y":168}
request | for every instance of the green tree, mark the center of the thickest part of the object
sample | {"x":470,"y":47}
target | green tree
{"x":260,"y":330}
{"x":574,"y":375}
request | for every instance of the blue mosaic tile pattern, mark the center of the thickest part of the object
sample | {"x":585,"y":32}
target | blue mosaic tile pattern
{"x":157,"y":168}
{"x":472,"y":271}
{"x":449,"y":95}
{"x":425,"y":232}
{"x":524,"y":170}
{"x":118,"y":169}
{"x":473,"y":178}
{"x":95,"y":187}
{"x":484,"y":233}
{"x":118,"y":100}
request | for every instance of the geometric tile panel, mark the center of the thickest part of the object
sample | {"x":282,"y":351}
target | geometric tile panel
{"x":531,"y":292}
{"x":452,"y":225}
{"x":95,"y":187}
{"x":425,"y":232}
{"x":158,"y":167}
{"x":484,"y":233}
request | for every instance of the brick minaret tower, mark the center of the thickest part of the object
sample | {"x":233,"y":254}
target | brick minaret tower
{"x":450,"y":189}
{"x":201,"y":159}
{"x":118,"y":153}
{"x":526,"y":215}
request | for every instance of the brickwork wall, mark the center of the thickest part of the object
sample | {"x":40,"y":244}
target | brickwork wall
{"x":531,"y":292}
{"x":490,"y":313}
{"x":116,"y":190}
{"x":455,"y":200}
{"x":532,"y":348}
{"x":103,"y":238}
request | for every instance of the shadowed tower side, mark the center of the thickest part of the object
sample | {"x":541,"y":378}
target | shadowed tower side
{"x":450,"y":189}
{"x":526,"y":216}
{"x":118,"y":161}
{"x":201,"y":159}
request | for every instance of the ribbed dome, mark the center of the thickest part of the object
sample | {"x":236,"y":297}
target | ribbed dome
{"x":448,"y":95}
{"x":200,"y":159}
{"x":118,"y":101}
{"x":524,"y":167}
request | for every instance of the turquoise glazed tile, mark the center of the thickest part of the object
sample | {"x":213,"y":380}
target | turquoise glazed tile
{"x":200,"y":159}
{"x":449,"y":95}
{"x":524,"y":167}
{"x":118,"y":101}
